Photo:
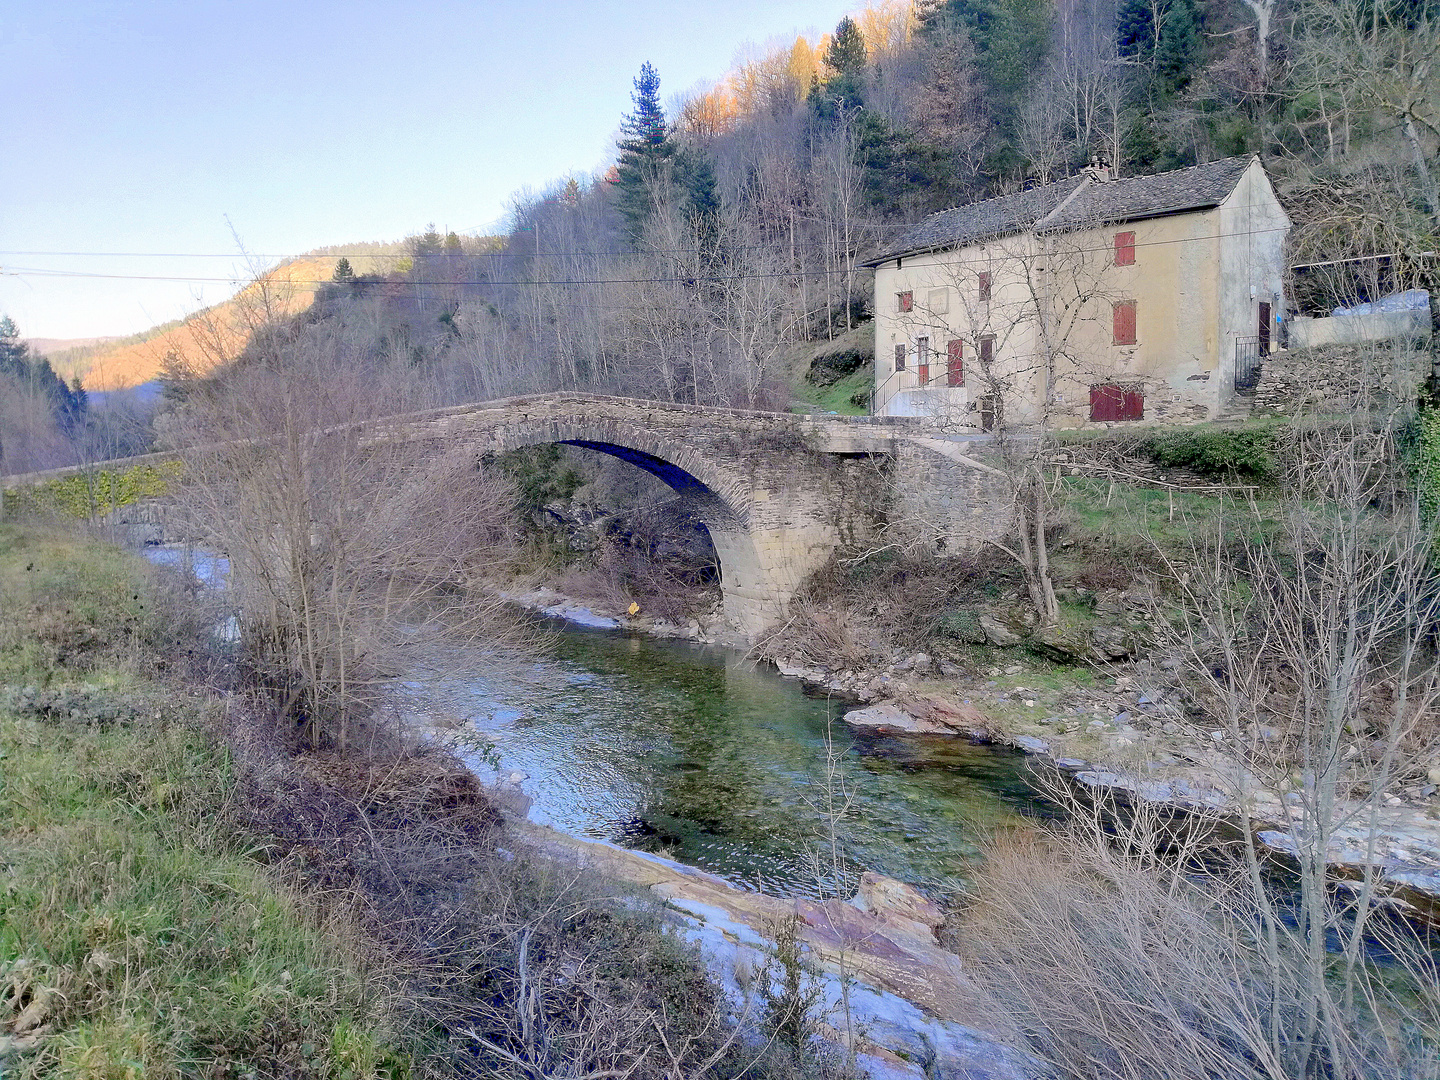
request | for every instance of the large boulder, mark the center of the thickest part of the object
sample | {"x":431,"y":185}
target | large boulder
{"x":1061,"y":643}
{"x":922,"y":716}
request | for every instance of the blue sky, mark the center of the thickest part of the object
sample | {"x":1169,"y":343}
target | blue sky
{"x":142,"y":127}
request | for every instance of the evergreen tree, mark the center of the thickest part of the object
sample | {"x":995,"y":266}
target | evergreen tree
{"x":453,"y":246}
{"x":844,"y":90}
{"x":343,"y":272}
{"x":1178,"y":50}
{"x":846,"y":54}
{"x":646,"y":153}
{"x":696,"y":177}
{"x":427,"y":244}
{"x":1171,"y":52}
{"x":67,"y":406}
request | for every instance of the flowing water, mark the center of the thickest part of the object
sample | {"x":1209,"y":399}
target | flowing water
{"x":697,"y":753}
{"x":700,"y":754}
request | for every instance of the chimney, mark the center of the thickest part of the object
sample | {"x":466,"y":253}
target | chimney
{"x":1098,"y":169}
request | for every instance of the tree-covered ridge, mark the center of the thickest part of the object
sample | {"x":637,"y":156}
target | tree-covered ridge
{"x":728,"y":232}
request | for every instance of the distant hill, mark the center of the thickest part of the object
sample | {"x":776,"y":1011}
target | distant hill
{"x":213,"y":334}
{"x":48,"y":347}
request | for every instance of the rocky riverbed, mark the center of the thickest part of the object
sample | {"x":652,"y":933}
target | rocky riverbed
{"x":1130,"y":735}
{"x":887,"y":987}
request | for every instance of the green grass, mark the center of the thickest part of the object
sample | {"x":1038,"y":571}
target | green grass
{"x":138,"y":937}
{"x":837,"y":396}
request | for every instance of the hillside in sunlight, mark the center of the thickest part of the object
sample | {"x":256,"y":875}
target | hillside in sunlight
{"x":213,"y":335}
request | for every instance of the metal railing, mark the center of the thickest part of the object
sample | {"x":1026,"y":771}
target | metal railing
{"x":942,"y":378}
{"x":1247,"y":362}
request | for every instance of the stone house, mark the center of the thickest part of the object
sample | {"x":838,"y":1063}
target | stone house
{"x":1091,"y":301}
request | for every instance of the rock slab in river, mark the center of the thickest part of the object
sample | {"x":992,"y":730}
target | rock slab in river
{"x":927,"y":717}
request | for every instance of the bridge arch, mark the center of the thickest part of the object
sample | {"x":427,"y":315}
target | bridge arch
{"x":720,"y":495}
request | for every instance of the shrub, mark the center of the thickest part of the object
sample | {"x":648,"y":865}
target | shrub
{"x":962,"y":625}
{"x":1222,"y":455}
{"x":1421,"y":446}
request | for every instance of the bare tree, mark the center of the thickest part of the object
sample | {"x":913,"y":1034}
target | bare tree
{"x":350,"y":545}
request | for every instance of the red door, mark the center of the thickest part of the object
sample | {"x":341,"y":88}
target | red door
{"x":955,"y":363}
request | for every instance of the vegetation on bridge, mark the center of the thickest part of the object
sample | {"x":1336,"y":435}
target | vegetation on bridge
{"x":93,"y":493}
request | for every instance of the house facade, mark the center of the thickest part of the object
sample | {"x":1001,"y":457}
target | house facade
{"x":1086,"y":302}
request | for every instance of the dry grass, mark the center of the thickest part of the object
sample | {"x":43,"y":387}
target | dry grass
{"x":1128,"y":944}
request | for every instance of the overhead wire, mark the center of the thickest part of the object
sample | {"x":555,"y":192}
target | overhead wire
{"x":683,"y":278}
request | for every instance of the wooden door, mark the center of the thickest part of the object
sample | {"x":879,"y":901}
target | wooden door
{"x":1264,"y":328}
{"x":955,"y":363}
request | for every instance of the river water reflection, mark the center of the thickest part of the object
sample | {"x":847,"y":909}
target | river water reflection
{"x":700,"y":754}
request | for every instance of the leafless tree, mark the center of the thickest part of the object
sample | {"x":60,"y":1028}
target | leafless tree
{"x":350,"y":546}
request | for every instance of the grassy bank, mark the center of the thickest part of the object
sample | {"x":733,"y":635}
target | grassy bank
{"x":138,"y":935}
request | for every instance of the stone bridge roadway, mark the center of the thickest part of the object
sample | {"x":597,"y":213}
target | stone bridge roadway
{"x":778,"y":492}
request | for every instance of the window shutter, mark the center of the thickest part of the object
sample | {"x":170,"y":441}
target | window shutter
{"x":1124,"y":322}
{"x":904,"y":301}
{"x":1132,"y":407}
{"x":899,"y":357}
{"x":1124,"y":249}
{"x":987,"y":350}
{"x":1112,"y":402}
{"x":985,"y":285}
{"x":954,"y":363}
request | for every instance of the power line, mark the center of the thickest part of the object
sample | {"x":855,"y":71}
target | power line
{"x":43,"y":272}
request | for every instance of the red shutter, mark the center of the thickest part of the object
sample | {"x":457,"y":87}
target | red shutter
{"x":904,"y":301}
{"x":1132,"y":406}
{"x":1112,"y":402}
{"x":987,"y":350}
{"x":1105,"y":402}
{"x":954,"y":363}
{"x":1124,"y":248}
{"x":985,"y":285}
{"x":1125,"y":322}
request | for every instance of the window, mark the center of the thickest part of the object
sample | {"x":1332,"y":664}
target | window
{"x":938,"y":301}
{"x":954,"y":363}
{"x":987,"y":350}
{"x":905,"y":301}
{"x":1124,"y":314}
{"x":922,"y":359}
{"x":899,"y":357}
{"x":1114,"y":402}
{"x":1124,"y":249}
{"x":985,"y":285}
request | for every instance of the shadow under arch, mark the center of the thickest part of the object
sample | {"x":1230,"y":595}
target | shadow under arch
{"x":719,"y":501}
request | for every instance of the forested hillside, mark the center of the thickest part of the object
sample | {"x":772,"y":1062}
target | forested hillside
{"x":730,"y":228}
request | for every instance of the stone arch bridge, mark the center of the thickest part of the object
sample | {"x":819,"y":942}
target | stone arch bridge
{"x":778,"y":492}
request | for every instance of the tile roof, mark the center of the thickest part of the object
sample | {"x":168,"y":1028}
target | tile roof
{"x":1051,"y":207}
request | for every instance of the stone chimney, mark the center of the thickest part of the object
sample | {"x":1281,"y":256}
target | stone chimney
{"x":1098,"y":169}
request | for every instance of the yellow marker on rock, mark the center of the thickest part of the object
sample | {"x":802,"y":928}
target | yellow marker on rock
{"x":633,"y":609}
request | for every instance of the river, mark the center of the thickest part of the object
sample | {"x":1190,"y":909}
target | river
{"x":698,"y":753}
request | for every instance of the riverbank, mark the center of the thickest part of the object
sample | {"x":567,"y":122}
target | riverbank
{"x":138,"y":933}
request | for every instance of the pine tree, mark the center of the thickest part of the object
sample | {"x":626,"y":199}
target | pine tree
{"x":846,"y":54}
{"x":646,"y":153}
{"x":343,"y":272}
{"x":1178,"y":50}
